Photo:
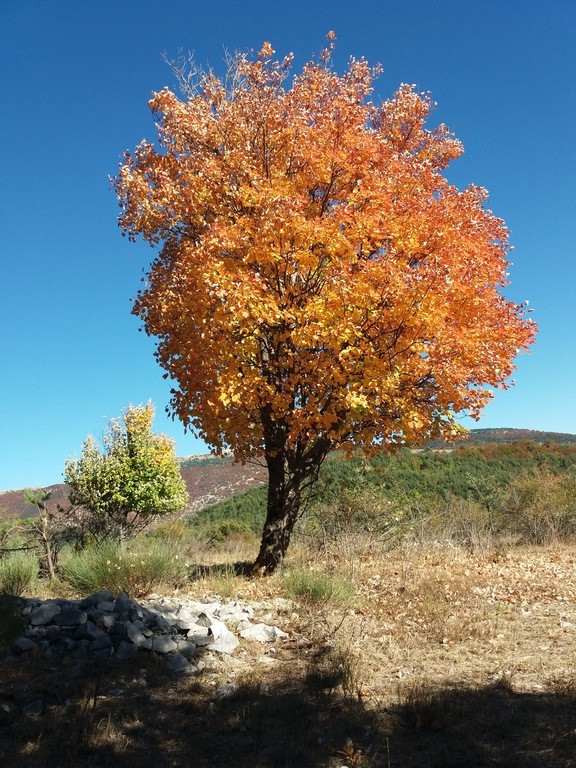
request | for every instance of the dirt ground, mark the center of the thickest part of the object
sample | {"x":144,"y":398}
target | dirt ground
{"x":445,"y":658}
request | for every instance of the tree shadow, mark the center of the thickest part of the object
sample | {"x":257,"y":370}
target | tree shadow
{"x":281,"y":714}
{"x":465,"y":727}
{"x":199,"y":571}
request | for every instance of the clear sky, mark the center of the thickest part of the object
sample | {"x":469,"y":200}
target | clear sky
{"x":76,"y":77}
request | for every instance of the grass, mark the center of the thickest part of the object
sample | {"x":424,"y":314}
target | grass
{"x":449,"y":657}
{"x":18,"y":572}
{"x":451,"y":648}
{"x":136,"y":568}
{"x":319,"y":588}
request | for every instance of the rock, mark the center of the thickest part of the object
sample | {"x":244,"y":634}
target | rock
{"x":101,"y":627}
{"x":204,"y":620}
{"x":23,"y":645}
{"x":70,"y":617}
{"x":134,"y":634}
{"x":262,"y":633}
{"x":126,"y":651}
{"x":235,"y":613}
{"x":200,"y":640}
{"x":159,"y":644}
{"x":88,"y":631}
{"x":179,"y":664}
{"x":106,"y":606}
{"x":53,"y":632}
{"x":101,"y":646}
{"x":43,"y":614}
{"x":223,"y":640}
{"x":102,"y":596}
{"x":162,"y":623}
{"x":186,"y":648}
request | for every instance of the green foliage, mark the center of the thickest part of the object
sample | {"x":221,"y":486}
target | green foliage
{"x":354,"y":513}
{"x":133,"y":480}
{"x":319,"y":588}
{"x":419,"y":479}
{"x":187,"y":462}
{"x":135,"y":568}
{"x":243,"y":513}
{"x":467,"y":495}
{"x":18,"y":573}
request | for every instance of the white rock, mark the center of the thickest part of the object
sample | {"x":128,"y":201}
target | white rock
{"x":223,"y":641}
{"x":262,"y":633}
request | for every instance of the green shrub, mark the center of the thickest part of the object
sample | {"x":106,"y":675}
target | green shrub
{"x":17,"y":573}
{"x":319,"y":588}
{"x":135,"y":568}
{"x":243,"y":513}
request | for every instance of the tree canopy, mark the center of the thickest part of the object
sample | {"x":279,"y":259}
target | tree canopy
{"x":319,"y":281}
{"x":135,"y":478}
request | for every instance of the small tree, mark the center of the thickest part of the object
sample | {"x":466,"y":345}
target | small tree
{"x":320,"y":283}
{"x":48,"y":535}
{"x":133,"y":480}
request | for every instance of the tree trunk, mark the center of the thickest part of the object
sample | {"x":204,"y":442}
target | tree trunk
{"x":47,"y":544}
{"x":283,"y":506}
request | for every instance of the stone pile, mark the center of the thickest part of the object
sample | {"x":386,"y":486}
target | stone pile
{"x":101,"y":626}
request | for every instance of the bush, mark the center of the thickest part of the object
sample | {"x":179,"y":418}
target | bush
{"x":319,"y":587}
{"x":540,"y":508}
{"x":135,"y":568}
{"x":17,"y":573}
{"x":243,"y":513}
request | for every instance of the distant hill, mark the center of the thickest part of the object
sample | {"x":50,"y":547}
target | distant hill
{"x":211,"y":478}
{"x":207,"y":481}
{"x":509,"y":435}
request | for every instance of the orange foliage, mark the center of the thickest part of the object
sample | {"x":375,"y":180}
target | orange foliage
{"x":317,"y":272}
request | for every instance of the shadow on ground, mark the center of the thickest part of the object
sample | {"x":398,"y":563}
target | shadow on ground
{"x":279,"y":715}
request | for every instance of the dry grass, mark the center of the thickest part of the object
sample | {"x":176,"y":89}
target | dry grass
{"x":448,"y":657}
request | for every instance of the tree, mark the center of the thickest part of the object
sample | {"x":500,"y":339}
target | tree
{"x":319,"y":282}
{"x":135,"y":479}
{"x":44,"y":530}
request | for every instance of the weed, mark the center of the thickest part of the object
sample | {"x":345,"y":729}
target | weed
{"x":135,"y":568}
{"x":17,"y":573}
{"x":318,"y":588}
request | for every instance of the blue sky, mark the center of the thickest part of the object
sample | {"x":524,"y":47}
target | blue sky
{"x":76,"y":78}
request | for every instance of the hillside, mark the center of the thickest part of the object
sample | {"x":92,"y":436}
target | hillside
{"x":207,"y":481}
{"x":210,"y":479}
{"x":509,"y":435}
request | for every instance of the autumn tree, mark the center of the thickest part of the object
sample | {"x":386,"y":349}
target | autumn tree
{"x":134,"y":479}
{"x":319,"y":282}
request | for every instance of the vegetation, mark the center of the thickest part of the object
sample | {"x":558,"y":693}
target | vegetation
{"x":135,"y":568}
{"x":244,"y":512}
{"x":18,"y":572}
{"x":318,"y":588}
{"x":319,"y":282}
{"x":521,"y":489}
{"x":404,"y":647}
{"x":135,"y":479}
